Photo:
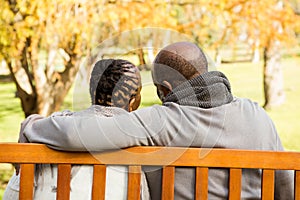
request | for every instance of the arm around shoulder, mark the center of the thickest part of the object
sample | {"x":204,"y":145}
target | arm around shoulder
{"x":92,"y":132}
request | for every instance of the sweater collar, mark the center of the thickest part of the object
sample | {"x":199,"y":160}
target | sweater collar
{"x":208,"y":90}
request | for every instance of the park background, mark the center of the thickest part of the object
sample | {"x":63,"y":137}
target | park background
{"x":43,"y":45}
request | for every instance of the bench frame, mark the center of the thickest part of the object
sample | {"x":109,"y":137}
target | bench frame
{"x":168,"y":157}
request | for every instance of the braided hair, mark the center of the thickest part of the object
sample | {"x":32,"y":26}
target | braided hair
{"x":114,"y":82}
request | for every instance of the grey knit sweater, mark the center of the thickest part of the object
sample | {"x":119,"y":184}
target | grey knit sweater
{"x":225,"y":122}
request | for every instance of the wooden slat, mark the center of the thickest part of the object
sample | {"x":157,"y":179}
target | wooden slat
{"x":215,"y":158}
{"x":266,"y":160}
{"x":168,"y":177}
{"x":267,"y":192}
{"x":99,"y":178}
{"x":134,"y":182}
{"x":20,"y":153}
{"x":297,"y":185}
{"x":201,"y":183}
{"x":235,"y":184}
{"x":63,"y":181}
{"x":11,"y":153}
{"x":26,"y":184}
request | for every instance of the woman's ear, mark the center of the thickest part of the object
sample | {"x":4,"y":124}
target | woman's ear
{"x":131,"y":104}
{"x":134,"y":102}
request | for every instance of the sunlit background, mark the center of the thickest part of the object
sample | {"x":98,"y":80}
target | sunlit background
{"x":47,"y":49}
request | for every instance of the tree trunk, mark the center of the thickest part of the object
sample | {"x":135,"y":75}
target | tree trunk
{"x":52,"y":97}
{"x":41,"y":89}
{"x":27,"y":95}
{"x":53,"y":92}
{"x":256,"y":53}
{"x":273,"y":77}
{"x":22,"y":77}
{"x":140,"y":53}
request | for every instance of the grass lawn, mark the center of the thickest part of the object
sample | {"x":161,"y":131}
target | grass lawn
{"x":246,"y":81}
{"x":11,"y":113}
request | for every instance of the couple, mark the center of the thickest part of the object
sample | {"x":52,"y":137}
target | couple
{"x":198,"y":110}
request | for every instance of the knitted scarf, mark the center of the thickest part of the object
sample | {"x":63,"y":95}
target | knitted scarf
{"x":208,"y":90}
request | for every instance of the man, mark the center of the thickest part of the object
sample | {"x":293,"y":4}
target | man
{"x":198,"y":111}
{"x":115,"y":87}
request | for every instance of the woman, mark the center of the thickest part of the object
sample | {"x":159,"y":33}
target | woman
{"x":115,"y":87}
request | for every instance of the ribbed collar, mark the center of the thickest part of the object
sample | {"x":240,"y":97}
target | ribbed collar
{"x":208,"y":90}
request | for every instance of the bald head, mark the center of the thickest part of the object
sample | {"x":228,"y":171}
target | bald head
{"x":187,"y":51}
{"x":179,"y":62}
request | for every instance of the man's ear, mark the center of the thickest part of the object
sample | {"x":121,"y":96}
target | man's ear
{"x":167,"y":85}
{"x":167,"y":88}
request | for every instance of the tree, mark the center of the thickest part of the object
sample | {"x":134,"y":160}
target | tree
{"x":272,"y":24}
{"x":43,"y":43}
{"x":265,"y":23}
{"x":133,"y":15}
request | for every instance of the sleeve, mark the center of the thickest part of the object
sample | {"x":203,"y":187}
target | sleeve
{"x":91,"y":132}
{"x":29,"y":120}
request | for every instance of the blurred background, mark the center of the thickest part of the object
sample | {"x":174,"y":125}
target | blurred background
{"x":47,"y":49}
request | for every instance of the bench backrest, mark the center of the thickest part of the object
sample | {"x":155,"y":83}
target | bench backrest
{"x":168,"y":157}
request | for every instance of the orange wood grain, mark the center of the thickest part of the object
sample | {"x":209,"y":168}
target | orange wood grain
{"x":267,"y":192}
{"x":228,"y":158}
{"x":235,"y":184}
{"x":99,"y":178}
{"x":201,"y":184}
{"x":170,"y":157}
{"x":63,"y":181}
{"x":168,"y":177}
{"x":134,"y":182}
{"x":26,"y":181}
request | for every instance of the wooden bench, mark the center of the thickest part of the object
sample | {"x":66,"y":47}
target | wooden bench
{"x":202,"y":159}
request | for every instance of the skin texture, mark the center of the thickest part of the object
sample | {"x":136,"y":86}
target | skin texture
{"x":177,"y":63}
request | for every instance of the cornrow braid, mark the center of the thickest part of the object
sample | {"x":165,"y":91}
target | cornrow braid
{"x":114,"y":82}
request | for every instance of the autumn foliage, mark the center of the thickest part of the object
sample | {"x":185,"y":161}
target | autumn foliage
{"x":44,"y":42}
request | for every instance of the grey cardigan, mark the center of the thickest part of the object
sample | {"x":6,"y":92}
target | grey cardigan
{"x":240,"y":124}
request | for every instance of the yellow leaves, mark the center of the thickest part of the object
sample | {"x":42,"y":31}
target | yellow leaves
{"x":113,"y":16}
{"x":5,"y":14}
{"x":222,"y":21}
{"x":173,"y":13}
{"x":31,"y":21}
{"x":126,"y":15}
{"x":262,"y":19}
{"x":55,"y":23}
